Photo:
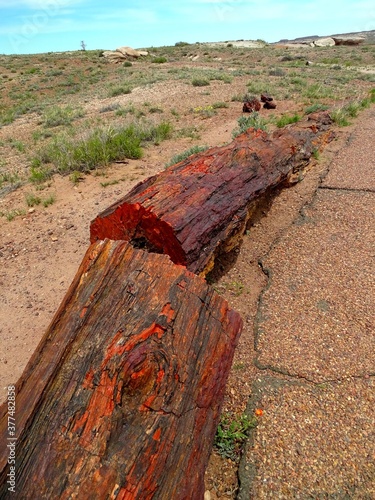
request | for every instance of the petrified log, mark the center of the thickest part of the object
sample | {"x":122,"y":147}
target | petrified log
{"x":122,"y":397}
{"x":200,"y":207}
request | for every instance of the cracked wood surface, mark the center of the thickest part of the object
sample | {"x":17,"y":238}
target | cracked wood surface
{"x":199,"y":208}
{"x":123,"y":395}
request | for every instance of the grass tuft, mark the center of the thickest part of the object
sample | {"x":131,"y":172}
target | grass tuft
{"x":185,"y":154}
{"x":287,"y":120}
{"x":252,"y":120}
{"x":56,"y":116}
{"x":100,"y":146}
{"x":32,"y":200}
{"x":200,"y":82}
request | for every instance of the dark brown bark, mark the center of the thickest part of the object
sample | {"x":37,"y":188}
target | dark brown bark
{"x":200,"y":207}
{"x":122,"y":397}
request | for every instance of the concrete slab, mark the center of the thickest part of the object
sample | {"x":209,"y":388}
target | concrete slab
{"x":312,"y":441}
{"x":316,"y":318}
{"x":354,"y":166}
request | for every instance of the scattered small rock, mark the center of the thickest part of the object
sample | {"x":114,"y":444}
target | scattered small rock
{"x":269,"y":105}
{"x":266,"y":97}
{"x":251,"y":105}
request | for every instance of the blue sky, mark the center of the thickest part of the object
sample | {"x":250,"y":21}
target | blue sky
{"x":33,"y":26}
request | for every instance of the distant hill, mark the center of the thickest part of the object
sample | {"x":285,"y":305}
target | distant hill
{"x":369,"y":35}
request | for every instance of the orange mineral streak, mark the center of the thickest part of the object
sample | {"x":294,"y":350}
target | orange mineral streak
{"x":157,"y":435}
{"x":148,"y":403}
{"x":101,"y":405}
{"x":88,"y":381}
{"x":154,"y":329}
{"x":118,"y":347}
{"x":140,"y":373}
{"x":83,"y":312}
{"x":168,"y":312}
{"x":124,"y":495}
{"x":160,"y":376}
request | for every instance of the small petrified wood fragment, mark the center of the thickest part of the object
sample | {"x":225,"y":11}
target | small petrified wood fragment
{"x":266,"y":97}
{"x":122,"y":397}
{"x":269,"y":105}
{"x":251,"y":106}
{"x":200,"y":207}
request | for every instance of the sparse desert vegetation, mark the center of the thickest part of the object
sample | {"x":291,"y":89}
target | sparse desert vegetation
{"x":72,"y":105}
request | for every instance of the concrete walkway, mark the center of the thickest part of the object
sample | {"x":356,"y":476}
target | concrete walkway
{"x":315,"y":341}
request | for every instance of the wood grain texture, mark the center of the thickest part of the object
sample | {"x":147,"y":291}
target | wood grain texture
{"x":122,"y":397}
{"x":200,"y":207}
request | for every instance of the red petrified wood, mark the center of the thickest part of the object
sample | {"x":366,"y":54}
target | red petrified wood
{"x":251,"y":106}
{"x":122,"y":397}
{"x":200,"y":207}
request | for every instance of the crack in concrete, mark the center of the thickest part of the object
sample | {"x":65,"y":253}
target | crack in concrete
{"x":346,"y":190}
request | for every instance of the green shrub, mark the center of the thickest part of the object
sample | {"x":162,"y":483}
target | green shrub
{"x":185,"y":154}
{"x":98,"y":148}
{"x":120,"y":90}
{"x":352,"y":108}
{"x":155,"y":109}
{"x":101,"y":146}
{"x":219,"y":105}
{"x":252,"y":120}
{"x":340,"y":117}
{"x":55,"y":116}
{"x":10,"y":179}
{"x":205,"y":111}
{"x":314,"y":108}
{"x":49,"y":201}
{"x":276,"y":72}
{"x":110,"y":107}
{"x":317,"y":91}
{"x":39,"y":174}
{"x":20,"y":146}
{"x":159,"y":60}
{"x":124,"y":111}
{"x":200,"y":82}
{"x":155,"y":133}
{"x":32,"y":200}
{"x":287,"y":119}
{"x":238,"y":98}
{"x":232,"y":433}
{"x":12,"y":214}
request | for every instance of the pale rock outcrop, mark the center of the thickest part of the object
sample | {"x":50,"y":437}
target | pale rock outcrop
{"x":123,"y":54}
{"x":324,"y":42}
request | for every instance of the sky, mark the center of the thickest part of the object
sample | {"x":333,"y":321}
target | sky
{"x":37,"y":26}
